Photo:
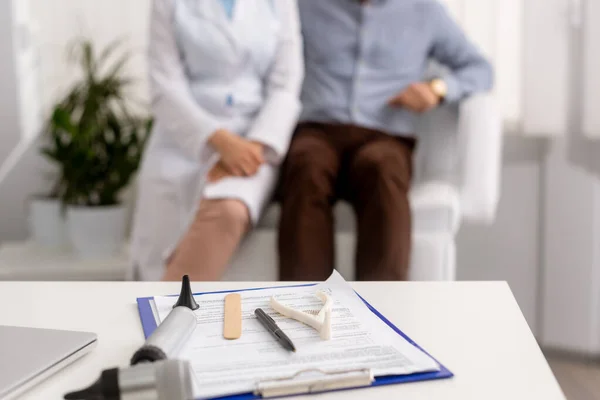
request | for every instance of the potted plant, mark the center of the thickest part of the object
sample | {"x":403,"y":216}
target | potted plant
{"x":46,"y":218}
{"x":98,"y":143}
{"x":46,"y":212}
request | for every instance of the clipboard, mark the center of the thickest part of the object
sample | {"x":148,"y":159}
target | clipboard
{"x":326,"y":381}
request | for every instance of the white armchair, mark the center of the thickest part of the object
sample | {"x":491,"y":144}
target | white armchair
{"x":457,"y":175}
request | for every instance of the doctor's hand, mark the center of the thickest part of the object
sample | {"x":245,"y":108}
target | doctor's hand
{"x":239,"y":157}
{"x":217,"y":173}
{"x":418,"y":97}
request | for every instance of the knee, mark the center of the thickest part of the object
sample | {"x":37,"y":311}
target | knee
{"x":309,"y":173}
{"x":381,"y":167}
{"x":233,"y":215}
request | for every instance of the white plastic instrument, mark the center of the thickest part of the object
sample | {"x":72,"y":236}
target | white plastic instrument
{"x":321,"y":321}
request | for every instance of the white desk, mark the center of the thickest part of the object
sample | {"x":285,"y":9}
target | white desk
{"x":475,"y":329}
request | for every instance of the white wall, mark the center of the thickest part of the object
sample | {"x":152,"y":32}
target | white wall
{"x":12,"y":215}
{"x":62,"y":21}
{"x":571,"y":278}
{"x":9,"y":113}
{"x":22,"y":170}
{"x":509,"y":249}
{"x":570,"y":291}
{"x":591,"y":67}
{"x":29,"y":180}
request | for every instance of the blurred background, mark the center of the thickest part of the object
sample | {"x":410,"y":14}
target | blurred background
{"x":544,"y":238}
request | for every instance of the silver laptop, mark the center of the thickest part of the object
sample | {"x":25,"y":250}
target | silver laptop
{"x":30,"y":355}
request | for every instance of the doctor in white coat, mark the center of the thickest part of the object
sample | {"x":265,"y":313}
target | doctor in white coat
{"x":225,"y":79}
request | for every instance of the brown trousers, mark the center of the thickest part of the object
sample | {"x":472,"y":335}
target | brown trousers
{"x":369,"y":169}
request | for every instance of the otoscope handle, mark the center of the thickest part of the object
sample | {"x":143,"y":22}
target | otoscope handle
{"x":174,"y":331}
{"x":164,"y":380}
{"x":168,"y":338}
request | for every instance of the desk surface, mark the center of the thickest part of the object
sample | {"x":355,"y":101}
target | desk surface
{"x":475,"y":329}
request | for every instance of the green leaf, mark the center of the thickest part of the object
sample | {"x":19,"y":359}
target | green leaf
{"x":116,"y":69}
{"x":61,"y":119}
{"x":51,"y":155}
{"x":109,"y":50}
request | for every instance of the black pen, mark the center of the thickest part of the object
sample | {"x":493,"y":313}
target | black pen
{"x":272,"y":327}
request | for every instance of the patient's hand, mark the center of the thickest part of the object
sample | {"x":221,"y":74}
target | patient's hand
{"x":418,"y":97}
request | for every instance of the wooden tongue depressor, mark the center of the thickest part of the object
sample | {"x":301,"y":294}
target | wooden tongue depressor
{"x":232,"y":324}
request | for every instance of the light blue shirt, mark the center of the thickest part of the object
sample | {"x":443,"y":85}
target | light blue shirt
{"x":360,"y":56}
{"x":229,"y":6}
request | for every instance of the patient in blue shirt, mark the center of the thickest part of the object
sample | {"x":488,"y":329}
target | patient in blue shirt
{"x":365,"y":86}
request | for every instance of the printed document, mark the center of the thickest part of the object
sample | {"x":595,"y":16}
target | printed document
{"x":359,"y":340}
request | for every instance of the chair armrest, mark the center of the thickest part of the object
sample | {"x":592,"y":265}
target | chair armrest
{"x":480,"y":149}
{"x":435,"y":208}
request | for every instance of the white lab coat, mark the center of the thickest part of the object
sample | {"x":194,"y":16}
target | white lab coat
{"x":209,"y":72}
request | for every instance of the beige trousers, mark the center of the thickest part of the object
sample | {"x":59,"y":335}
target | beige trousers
{"x":213,"y":237}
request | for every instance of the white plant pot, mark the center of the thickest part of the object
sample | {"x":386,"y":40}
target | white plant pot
{"x":47,"y":225}
{"x":97,"y":232}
